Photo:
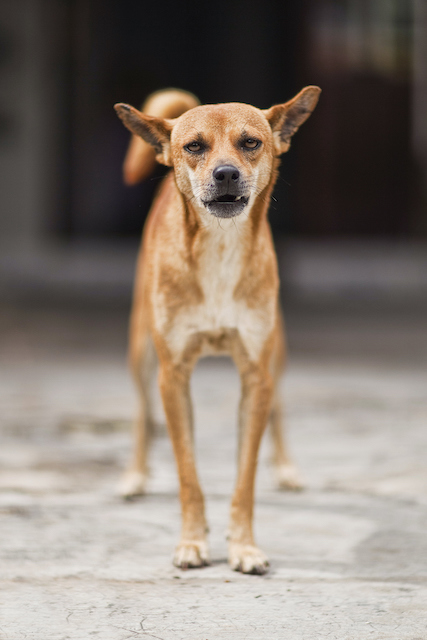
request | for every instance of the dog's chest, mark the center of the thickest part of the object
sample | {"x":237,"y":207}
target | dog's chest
{"x":219,"y":317}
{"x":219,"y":271}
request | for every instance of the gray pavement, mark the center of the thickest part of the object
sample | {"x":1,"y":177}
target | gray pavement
{"x":348,"y":555}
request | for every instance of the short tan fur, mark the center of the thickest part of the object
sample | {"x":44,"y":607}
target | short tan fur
{"x":207,"y":283}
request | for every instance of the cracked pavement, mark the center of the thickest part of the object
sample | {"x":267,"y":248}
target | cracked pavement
{"x":348,"y":555}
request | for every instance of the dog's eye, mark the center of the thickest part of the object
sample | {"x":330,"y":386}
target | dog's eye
{"x":251,"y":143}
{"x":193,"y":147}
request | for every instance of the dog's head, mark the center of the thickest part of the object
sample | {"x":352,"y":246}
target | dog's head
{"x":223,"y":154}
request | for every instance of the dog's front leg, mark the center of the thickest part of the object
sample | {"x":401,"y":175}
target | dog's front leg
{"x":257,"y":389}
{"x":192,"y":550}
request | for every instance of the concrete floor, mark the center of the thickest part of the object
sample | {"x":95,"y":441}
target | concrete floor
{"x":348,"y":555}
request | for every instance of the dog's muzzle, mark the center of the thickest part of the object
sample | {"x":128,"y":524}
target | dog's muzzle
{"x":228,"y":200}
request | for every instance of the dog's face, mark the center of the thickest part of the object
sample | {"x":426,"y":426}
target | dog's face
{"x":223,"y":154}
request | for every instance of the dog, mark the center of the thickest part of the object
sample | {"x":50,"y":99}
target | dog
{"x":207,"y":283}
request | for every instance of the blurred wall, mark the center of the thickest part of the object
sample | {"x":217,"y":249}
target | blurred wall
{"x":363,"y":175}
{"x":33,"y":120}
{"x":357,"y":167}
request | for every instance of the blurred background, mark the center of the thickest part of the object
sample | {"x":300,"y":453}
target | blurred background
{"x":351,"y":203}
{"x":350,"y":224}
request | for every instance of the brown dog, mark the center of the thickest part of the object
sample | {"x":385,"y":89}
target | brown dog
{"x":207,"y":283}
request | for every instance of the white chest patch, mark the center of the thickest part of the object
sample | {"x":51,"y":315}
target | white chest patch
{"x":220,"y":268}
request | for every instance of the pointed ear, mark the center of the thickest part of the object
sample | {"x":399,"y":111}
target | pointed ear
{"x":155,"y":131}
{"x":285,"y":119}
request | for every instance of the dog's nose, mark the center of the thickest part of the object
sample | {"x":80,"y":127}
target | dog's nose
{"x":227,"y":174}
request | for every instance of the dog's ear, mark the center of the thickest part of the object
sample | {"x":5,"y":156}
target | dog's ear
{"x":155,"y":131}
{"x":285,"y":119}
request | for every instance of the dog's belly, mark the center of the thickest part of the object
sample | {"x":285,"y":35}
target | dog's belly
{"x":208,"y":331}
{"x":219,"y":342}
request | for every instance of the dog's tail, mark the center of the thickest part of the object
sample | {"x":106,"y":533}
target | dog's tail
{"x":140,"y":159}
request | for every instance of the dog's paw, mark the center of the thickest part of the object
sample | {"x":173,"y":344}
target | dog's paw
{"x":132,"y":484}
{"x":287,"y":477}
{"x":247,"y":559}
{"x":190,"y":554}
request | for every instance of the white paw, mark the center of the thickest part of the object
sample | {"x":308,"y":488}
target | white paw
{"x":287,"y":477}
{"x":133,"y":483}
{"x":247,"y":559}
{"x":191,"y":553}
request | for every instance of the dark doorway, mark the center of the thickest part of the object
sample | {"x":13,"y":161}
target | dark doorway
{"x":350,"y":169}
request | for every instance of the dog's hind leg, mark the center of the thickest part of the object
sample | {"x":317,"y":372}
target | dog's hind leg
{"x":286,"y":473}
{"x":142,"y":357}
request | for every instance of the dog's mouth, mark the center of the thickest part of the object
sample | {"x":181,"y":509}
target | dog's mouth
{"x":227,"y":205}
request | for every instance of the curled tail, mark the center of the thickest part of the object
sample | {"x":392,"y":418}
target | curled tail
{"x":140,"y":158}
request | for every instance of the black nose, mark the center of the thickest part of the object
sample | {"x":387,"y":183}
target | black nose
{"x":227,"y":174}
